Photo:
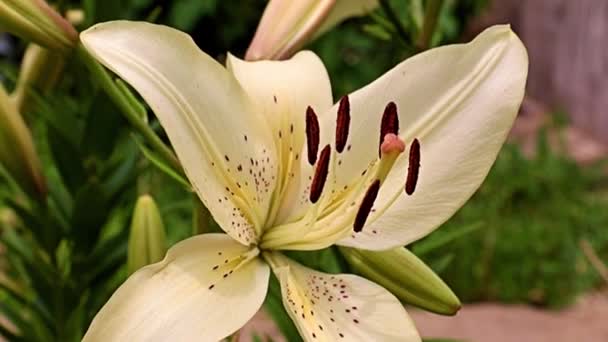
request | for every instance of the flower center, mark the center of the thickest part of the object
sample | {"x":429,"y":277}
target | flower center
{"x":334,"y":213}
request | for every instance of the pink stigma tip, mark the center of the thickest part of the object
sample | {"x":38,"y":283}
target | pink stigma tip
{"x":392,"y":143}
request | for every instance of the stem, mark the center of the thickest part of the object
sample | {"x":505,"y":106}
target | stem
{"x":431,"y":16}
{"x":131,"y":113}
{"x":394,"y":19}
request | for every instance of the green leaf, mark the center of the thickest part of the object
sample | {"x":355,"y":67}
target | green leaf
{"x":162,"y":166}
{"x":91,"y":208}
{"x":102,"y":126}
{"x":428,"y":245}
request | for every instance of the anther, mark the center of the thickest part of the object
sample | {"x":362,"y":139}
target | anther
{"x":342,"y":124}
{"x":312,"y":135}
{"x":413,"y":168}
{"x":390,"y":121}
{"x":318,"y":181}
{"x":366,"y":206}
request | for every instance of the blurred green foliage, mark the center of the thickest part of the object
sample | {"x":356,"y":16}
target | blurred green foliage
{"x":531,"y":214}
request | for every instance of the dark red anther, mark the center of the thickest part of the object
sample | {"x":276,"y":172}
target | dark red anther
{"x":312,"y":135}
{"x":390,"y":121}
{"x":366,"y":206}
{"x":342,"y":124}
{"x":318,"y":181}
{"x":413,"y":168}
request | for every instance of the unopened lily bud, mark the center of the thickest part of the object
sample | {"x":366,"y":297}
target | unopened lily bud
{"x":147,"y":240}
{"x":40,"y":70}
{"x":8,"y":219}
{"x":407,"y":277}
{"x":287,"y":25}
{"x":17,"y":151}
{"x":36,"y":21}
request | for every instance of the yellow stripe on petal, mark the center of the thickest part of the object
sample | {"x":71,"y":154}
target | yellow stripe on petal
{"x":282,"y":91}
{"x":205,"y":289}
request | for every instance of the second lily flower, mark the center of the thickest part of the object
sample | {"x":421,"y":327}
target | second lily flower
{"x":281,"y":168}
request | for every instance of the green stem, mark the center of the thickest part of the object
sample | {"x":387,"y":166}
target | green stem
{"x":130,"y":112}
{"x":394,"y":19}
{"x":431,"y":17}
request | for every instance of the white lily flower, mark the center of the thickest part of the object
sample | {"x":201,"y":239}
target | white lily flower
{"x":280,"y":168}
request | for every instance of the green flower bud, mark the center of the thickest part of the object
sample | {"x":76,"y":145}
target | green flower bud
{"x":17,"y":151}
{"x":147,"y":241}
{"x":8,"y":219}
{"x":36,"y":21}
{"x":407,"y":277}
{"x":40,"y":70}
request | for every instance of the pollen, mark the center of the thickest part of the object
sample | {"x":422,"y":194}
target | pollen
{"x":318,"y":181}
{"x":413,"y":168}
{"x":342,"y":124}
{"x":312,"y":135}
{"x":366,"y":206}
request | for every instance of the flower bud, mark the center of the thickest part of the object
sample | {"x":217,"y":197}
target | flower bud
{"x":407,"y":277}
{"x":36,"y":21}
{"x":147,"y":241}
{"x":8,"y":219}
{"x":287,"y":25}
{"x":17,"y":151}
{"x":40,"y":70}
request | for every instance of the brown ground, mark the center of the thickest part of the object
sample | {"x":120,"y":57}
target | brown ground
{"x":586,"y":321}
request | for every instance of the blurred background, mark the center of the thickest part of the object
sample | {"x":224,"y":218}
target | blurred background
{"x":527,"y":255}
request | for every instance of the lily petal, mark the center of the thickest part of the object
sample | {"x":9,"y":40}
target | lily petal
{"x":282,"y":91}
{"x":459,"y":101}
{"x":205,"y":289}
{"x":328,"y":307}
{"x":223,"y":143}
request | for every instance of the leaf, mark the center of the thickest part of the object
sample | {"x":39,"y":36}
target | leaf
{"x":102,"y":126}
{"x":162,"y":166}
{"x":436,"y":242}
{"x":67,"y":159}
{"x":91,"y":208}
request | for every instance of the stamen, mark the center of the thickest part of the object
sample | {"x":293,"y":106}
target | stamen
{"x":312,"y":135}
{"x":390,"y":121}
{"x":413,"y":168}
{"x":366,"y":206}
{"x":318,"y":181}
{"x":342,"y":124}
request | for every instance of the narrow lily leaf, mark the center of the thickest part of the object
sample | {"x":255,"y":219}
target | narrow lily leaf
{"x":436,"y":242}
{"x":162,"y":166}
